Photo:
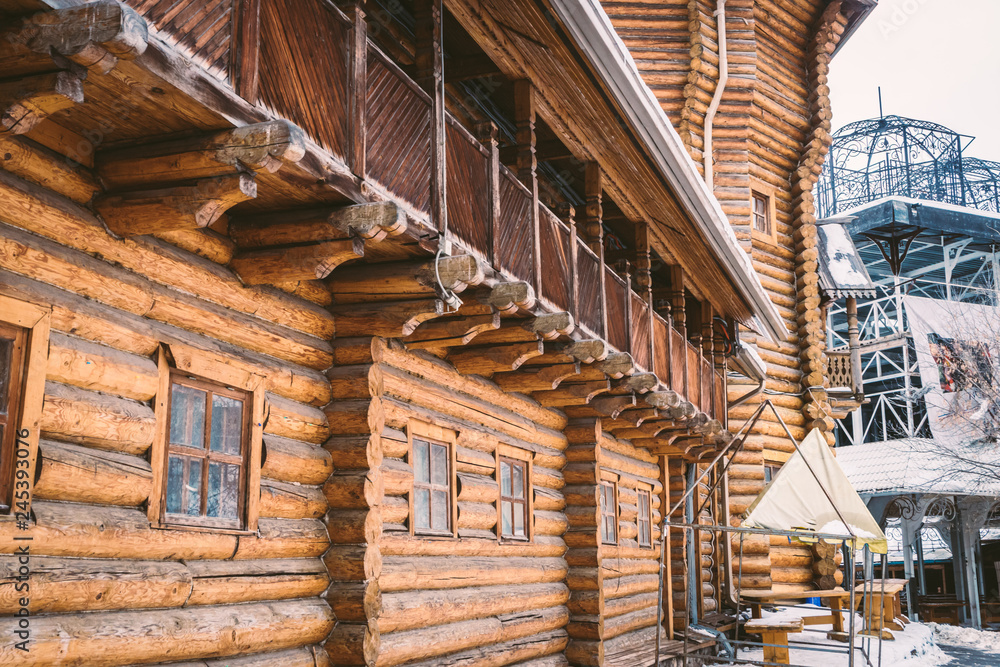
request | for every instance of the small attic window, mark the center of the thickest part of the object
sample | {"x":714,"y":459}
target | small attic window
{"x":763,"y":215}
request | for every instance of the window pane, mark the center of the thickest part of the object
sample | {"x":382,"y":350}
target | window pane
{"x":6,"y":350}
{"x":439,"y":510}
{"x":504,"y":478}
{"x":227,"y":424}
{"x":421,"y":466}
{"x":187,"y":416}
{"x":421,"y":508}
{"x":506,"y":522}
{"x":519,"y":521}
{"x":439,"y":465}
{"x":175,"y":484}
{"x":518,"y":480}
{"x":223,"y":490}
{"x":193,"y":488}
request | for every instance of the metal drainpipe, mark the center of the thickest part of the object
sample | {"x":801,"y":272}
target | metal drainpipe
{"x":720,"y":23}
{"x":693,"y":550}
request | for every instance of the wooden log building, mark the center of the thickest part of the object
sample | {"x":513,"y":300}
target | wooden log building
{"x":384,"y":333}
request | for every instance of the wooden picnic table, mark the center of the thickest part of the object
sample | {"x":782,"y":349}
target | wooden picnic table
{"x":839,"y":600}
{"x":886,"y":607}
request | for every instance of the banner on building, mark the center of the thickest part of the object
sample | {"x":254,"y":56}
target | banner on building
{"x":957,"y":353}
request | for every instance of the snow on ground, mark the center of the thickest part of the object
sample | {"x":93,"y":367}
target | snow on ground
{"x":913,"y":647}
{"x":953,"y":635}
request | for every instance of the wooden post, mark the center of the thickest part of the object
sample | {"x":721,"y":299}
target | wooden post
{"x":720,"y":367}
{"x":487,"y":135}
{"x":358,"y":89}
{"x":527,"y":166}
{"x":568,"y":214}
{"x":854,"y":345}
{"x":644,"y":279}
{"x":429,"y":76}
{"x":707,"y":351}
{"x":593,"y":229}
{"x":679,"y":315}
{"x":243,"y":68}
{"x":668,"y":595}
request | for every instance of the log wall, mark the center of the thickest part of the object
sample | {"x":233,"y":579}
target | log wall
{"x":106,"y":587}
{"x":439,"y":601}
{"x":613,"y":595}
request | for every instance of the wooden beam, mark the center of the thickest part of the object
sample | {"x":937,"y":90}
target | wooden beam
{"x":169,"y":209}
{"x":486,"y":361}
{"x":548,"y":326}
{"x":26,"y":101}
{"x":629,"y":418}
{"x":509,"y":298}
{"x":258,"y":147}
{"x":371,"y":222}
{"x":572,"y":394}
{"x":93,"y":35}
{"x":451,"y":331}
{"x":245,"y":49}
{"x":313,"y":261}
{"x":393,"y":281}
{"x":388,"y":319}
{"x":613,"y":406}
{"x":470,"y":67}
{"x":531,"y":378}
{"x":639,"y":383}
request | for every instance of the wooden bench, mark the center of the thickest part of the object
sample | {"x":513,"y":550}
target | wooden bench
{"x":774,"y":635}
{"x":886,"y":612}
{"x":940,"y":608}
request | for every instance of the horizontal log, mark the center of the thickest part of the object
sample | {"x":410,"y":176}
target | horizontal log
{"x":477,"y":488}
{"x":304,"y":656}
{"x":369,"y":221}
{"x":548,"y":499}
{"x":355,"y":526}
{"x":477,"y":516}
{"x":525,"y":650}
{"x":85,"y":417}
{"x":296,"y":421}
{"x":284,"y":538}
{"x":402,"y":573}
{"x":543,"y":546}
{"x":417,"y":609}
{"x":84,"y":584}
{"x":230,"y":582}
{"x":550,"y":523}
{"x":88,"y":365}
{"x":398,"y":476}
{"x":354,"y":489}
{"x":81,"y":474}
{"x":352,"y":562}
{"x":294,"y":461}
{"x":397,"y":281}
{"x":395,"y":510}
{"x":291,"y":501}
{"x":103,"y":639}
{"x":355,"y":601}
{"x":360,"y":452}
{"x":401,"y":647}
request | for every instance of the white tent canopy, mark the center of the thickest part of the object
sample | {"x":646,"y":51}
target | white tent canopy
{"x":795,"y":499}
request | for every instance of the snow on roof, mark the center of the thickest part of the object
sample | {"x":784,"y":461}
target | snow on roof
{"x":912,"y":465}
{"x":944,"y":206}
{"x":842,"y":273}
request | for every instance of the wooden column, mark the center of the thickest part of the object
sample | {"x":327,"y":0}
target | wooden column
{"x":429,"y":76}
{"x":358,"y":89}
{"x":707,"y":350}
{"x":487,"y":133}
{"x":667,"y":574}
{"x":527,"y":165}
{"x":643,"y":283}
{"x":567,"y":214}
{"x":720,"y":367}
{"x":854,"y":345}
{"x":592,"y":228}
{"x":678,"y":311}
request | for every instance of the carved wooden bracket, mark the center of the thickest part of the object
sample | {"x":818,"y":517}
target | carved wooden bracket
{"x":572,"y":394}
{"x":387,"y":319}
{"x":393,"y":281}
{"x":285,"y":264}
{"x":547,"y":326}
{"x":258,"y":147}
{"x":451,"y":331}
{"x":371,"y":222}
{"x":486,"y":361}
{"x":639,"y":383}
{"x":532,"y":377}
{"x":170,"y":209}
{"x":509,"y":298}
{"x":630,"y":418}
{"x":25,"y":101}
{"x":613,"y":406}
{"x":93,"y":35}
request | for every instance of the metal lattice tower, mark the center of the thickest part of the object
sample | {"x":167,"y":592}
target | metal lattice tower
{"x":902,"y":158}
{"x":896,"y":156}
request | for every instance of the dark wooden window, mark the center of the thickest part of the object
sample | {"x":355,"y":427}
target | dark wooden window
{"x":609,"y":512}
{"x":207,"y":451}
{"x":644,"y":520}
{"x":431,"y":463}
{"x":514,"y":490}
{"x":762,"y":221}
{"x":13,"y":342}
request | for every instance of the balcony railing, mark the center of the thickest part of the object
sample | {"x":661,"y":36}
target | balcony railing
{"x":388,"y":141}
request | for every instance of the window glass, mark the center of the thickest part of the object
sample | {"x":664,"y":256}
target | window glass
{"x":609,"y":513}
{"x":513,"y":499}
{"x":421,"y":463}
{"x":432,"y":496}
{"x":644,"y":519}
{"x":206,"y":486}
{"x":439,"y":465}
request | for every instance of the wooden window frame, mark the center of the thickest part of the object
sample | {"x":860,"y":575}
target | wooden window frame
{"x":434,"y":435}
{"x":521,"y":457}
{"x":19,"y":449}
{"x":647,"y":519}
{"x":177,"y":361}
{"x":603,"y":511}
{"x":768,"y":195}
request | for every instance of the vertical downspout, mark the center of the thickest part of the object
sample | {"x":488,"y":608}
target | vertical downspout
{"x":693,"y":550}
{"x":720,"y":23}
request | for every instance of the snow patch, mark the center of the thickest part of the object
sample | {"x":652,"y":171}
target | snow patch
{"x":953,"y":635}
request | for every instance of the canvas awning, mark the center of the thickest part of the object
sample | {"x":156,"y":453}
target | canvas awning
{"x":795,"y":499}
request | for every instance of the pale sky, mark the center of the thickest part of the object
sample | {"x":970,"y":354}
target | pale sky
{"x":936,"y":60}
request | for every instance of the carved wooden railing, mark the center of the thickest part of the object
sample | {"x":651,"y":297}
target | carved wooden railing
{"x":386,"y":137}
